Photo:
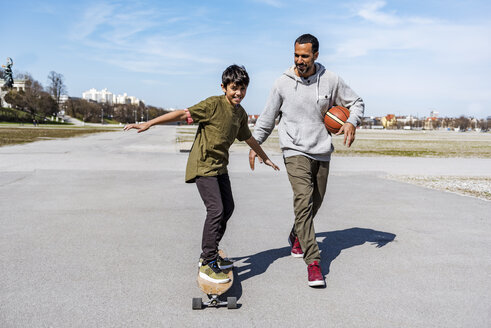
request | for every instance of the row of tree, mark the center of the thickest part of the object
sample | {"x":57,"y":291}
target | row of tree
{"x":89,"y":111}
{"x":42,"y":103}
{"x":462,"y":123}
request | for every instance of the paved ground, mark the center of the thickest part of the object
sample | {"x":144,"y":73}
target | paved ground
{"x":101,"y":231}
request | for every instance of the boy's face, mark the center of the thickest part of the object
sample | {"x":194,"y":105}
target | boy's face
{"x":234,"y":93}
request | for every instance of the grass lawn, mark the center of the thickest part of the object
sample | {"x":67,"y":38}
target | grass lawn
{"x":387,"y":143}
{"x":10,"y":135}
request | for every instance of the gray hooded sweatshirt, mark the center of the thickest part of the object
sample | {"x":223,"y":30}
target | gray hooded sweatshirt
{"x":302,"y":104}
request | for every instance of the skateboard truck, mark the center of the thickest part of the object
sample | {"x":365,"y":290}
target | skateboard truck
{"x":214,"y":301}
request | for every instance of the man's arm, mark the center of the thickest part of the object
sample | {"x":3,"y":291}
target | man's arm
{"x":346,"y":97}
{"x":174,"y":116}
{"x":265,"y":123}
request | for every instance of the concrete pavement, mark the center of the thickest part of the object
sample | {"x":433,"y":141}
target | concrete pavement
{"x":102,"y":231}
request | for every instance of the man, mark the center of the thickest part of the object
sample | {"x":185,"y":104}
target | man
{"x":301,"y":97}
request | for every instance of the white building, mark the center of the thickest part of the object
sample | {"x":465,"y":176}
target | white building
{"x":19,"y":85}
{"x":105,"y":96}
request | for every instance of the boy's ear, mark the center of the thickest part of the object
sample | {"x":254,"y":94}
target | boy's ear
{"x":223,"y":88}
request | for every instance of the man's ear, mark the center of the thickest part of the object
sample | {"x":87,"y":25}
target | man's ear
{"x":316,"y":55}
{"x":223,"y":88}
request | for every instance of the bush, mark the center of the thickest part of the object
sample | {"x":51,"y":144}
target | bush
{"x":15,"y":116}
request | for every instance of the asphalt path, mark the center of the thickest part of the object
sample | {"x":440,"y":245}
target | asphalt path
{"x":102,"y":231}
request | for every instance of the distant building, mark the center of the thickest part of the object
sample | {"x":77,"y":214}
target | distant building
{"x":389,"y":121}
{"x":103,"y":96}
{"x":252,"y":119}
{"x":63,"y":99}
{"x":107,"y":97}
{"x":431,"y":123}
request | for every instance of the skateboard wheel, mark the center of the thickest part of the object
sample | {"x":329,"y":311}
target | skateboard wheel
{"x":197,"y":303}
{"x":231,"y":302}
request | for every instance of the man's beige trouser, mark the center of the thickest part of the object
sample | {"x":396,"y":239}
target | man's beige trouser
{"x":308,"y":179}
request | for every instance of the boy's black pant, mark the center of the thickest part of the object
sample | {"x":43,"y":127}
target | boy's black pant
{"x":217,"y":196}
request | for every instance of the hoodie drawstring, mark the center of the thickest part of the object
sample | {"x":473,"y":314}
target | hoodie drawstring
{"x":319,"y":70}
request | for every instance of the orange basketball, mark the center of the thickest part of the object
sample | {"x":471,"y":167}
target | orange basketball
{"x":335,"y":118}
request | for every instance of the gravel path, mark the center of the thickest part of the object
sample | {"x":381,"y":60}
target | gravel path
{"x":479,"y":187}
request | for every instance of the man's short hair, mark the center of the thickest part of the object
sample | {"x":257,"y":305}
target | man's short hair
{"x":235,"y":74}
{"x":308,"y":38}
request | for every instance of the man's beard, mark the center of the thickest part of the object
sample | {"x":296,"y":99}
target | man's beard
{"x":302,"y":69}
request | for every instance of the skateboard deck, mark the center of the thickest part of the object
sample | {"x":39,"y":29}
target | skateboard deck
{"x":213,"y":290}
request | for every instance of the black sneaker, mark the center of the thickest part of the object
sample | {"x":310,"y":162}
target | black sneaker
{"x":224,"y":263}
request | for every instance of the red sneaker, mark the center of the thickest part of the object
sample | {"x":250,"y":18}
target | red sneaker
{"x":315,"y":275}
{"x":296,"y":249}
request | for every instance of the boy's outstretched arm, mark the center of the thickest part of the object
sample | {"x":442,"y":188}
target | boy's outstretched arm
{"x":175,"y":116}
{"x":260,"y":152}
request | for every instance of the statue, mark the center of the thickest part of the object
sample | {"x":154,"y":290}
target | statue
{"x":9,"y":80}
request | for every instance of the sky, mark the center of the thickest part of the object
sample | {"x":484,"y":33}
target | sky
{"x":407,"y":57}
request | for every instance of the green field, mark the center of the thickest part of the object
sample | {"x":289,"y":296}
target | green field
{"x":367,"y":143}
{"x":11,"y":135}
{"x":388,"y":143}
{"x":417,"y":144}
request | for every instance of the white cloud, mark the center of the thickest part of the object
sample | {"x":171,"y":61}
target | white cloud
{"x":408,"y":63}
{"x":273,"y":3}
{"x":142,"y":40}
{"x":370,"y":12}
{"x":436,"y":40}
{"x":93,"y":17}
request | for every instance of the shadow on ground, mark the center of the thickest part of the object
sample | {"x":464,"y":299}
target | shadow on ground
{"x":330,"y":245}
{"x":336,"y":241}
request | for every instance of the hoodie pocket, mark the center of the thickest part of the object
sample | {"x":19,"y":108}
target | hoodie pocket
{"x":313,"y":138}
{"x":288,"y":132}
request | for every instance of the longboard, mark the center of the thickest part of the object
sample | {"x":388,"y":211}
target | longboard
{"x":213,"y":290}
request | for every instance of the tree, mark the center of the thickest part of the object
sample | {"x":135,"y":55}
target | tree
{"x":47,"y":105}
{"x":463,"y":123}
{"x":33,"y":99}
{"x":84,"y":110}
{"x":32,"y":94}
{"x":16,"y":99}
{"x":56,"y":85}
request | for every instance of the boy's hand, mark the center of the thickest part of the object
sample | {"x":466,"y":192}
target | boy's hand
{"x":273,"y":165}
{"x":252,"y":158}
{"x":141,"y":127}
{"x":349,"y":131}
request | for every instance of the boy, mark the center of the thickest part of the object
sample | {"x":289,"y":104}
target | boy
{"x":221,"y":119}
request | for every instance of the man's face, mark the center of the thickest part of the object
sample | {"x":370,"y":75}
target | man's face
{"x":234,"y":93}
{"x":305,"y":59}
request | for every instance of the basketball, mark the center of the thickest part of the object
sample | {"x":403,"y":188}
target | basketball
{"x":335,"y":118}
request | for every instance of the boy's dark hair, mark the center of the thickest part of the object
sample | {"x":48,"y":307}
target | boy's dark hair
{"x":235,"y":74}
{"x":308,"y":38}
